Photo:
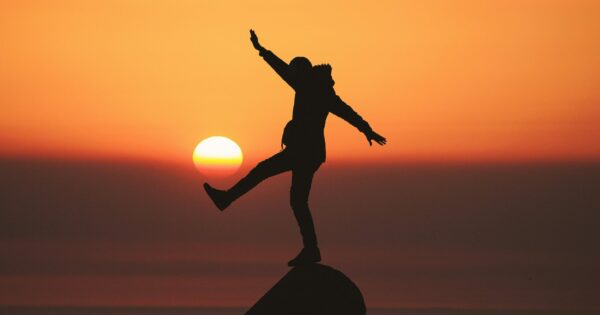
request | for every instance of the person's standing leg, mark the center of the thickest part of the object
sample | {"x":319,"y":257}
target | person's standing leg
{"x":272,"y":166}
{"x":302,"y":177}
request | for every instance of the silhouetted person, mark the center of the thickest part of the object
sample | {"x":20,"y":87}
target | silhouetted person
{"x":304,"y":142}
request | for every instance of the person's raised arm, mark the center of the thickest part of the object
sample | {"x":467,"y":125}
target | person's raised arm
{"x":280,"y":66}
{"x":344,"y":111}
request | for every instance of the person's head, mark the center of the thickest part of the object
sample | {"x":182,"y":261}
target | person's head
{"x":300,"y":67}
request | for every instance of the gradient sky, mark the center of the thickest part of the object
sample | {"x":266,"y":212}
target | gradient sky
{"x":460,"y":80}
{"x":103,"y":102}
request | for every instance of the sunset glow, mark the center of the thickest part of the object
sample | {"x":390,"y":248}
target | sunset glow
{"x":462,"y":80}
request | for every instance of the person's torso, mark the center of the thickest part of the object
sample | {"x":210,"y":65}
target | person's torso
{"x":305,"y":132}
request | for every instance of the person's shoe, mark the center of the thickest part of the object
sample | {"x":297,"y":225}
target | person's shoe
{"x":308,"y":255}
{"x":218,"y":197}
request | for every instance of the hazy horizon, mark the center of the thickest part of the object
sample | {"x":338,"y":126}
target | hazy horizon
{"x":494,"y":236}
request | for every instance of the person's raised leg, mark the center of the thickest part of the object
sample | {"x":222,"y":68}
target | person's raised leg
{"x":274,"y":165}
{"x":301,"y":183}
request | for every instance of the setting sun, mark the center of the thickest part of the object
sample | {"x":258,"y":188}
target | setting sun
{"x":217,"y":156}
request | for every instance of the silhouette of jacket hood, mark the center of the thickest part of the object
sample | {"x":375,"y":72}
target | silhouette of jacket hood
{"x":322,"y":75}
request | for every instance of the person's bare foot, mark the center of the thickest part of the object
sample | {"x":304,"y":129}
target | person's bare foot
{"x":218,"y":197}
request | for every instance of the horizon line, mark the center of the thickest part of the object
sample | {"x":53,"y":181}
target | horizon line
{"x":337,"y":161}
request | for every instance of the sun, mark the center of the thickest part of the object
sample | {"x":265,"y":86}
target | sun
{"x":217,"y":156}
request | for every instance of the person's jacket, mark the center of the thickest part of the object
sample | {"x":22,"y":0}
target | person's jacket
{"x":315,"y":98}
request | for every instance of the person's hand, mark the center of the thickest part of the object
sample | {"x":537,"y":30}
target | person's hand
{"x":254,"y":40}
{"x":374,"y":136}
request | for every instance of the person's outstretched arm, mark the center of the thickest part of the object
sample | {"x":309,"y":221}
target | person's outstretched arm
{"x":280,"y":66}
{"x":344,"y":111}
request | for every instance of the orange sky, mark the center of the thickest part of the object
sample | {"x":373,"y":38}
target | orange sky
{"x":442,"y":80}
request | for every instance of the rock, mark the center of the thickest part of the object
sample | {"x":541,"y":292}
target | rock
{"x":311,"y":290}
